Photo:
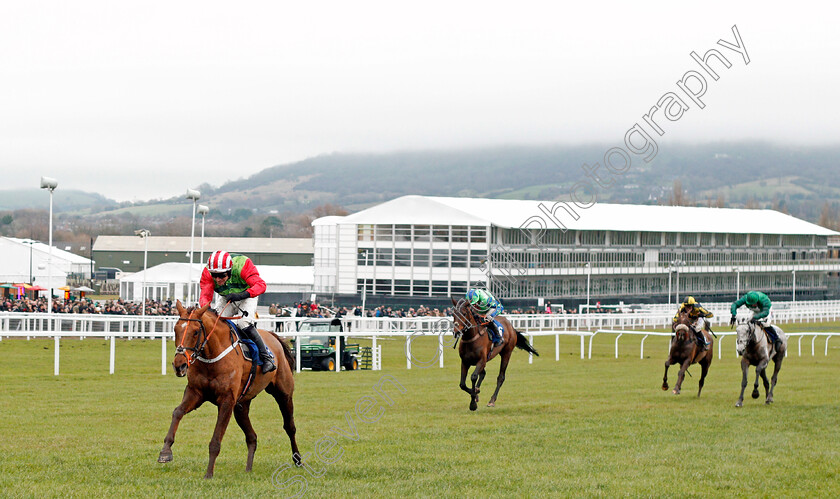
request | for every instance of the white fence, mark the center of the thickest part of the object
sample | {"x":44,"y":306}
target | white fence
{"x":59,"y":326}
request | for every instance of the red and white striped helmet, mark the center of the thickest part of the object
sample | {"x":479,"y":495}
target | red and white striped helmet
{"x":220,"y":261}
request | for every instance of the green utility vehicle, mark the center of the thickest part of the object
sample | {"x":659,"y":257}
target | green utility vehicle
{"x":317,"y":345}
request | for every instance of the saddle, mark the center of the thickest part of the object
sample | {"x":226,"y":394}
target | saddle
{"x":250,"y":351}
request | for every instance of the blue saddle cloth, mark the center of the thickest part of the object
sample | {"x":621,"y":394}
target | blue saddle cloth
{"x":250,"y":348}
{"x":497,"y":339}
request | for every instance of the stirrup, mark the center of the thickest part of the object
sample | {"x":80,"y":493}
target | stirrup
{"x":268,"y":365}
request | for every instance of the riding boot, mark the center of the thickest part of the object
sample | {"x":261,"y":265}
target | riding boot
{"x":701,"y":341}
{"x":254,"y":335}
{"x":496,"y":336}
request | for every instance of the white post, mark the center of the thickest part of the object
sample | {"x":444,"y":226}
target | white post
{"x":530,"y":355}
{"x":794,"y":287}
{"x":163,"y":354}
{"x":557,"y":347}
{"x":337,"y":353}
{"x":407,"y":353}
{"x":113,"y":342}
{"x":440,"y":348}
{"x":737,"y":283}
{"x":55,"y":370}
{"x":669,"y":283}
{"x":588,"y":277}
{"x":373,"y":353}
{"x":297,"y":353}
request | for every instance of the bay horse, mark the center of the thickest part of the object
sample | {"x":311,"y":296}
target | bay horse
{"x":756,"y":350}
{"x":476,"y":346}
{"x":217,"y":372}
{"x":686,"y":351}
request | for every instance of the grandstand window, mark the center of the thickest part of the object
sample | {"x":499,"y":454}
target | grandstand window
{"x":421,"y":288}
{"x":670,"y":239}
{"x":622,"y":238}
{"x":384,"y":257}
{"x":720,"y":240}
{"x":651,"y":238}
{"x":593,"y":237}
{"x":476,"y":256}
{"x":688,"y":239}
{"x":705,"y":239}
{"x":402,"y":257}
{"x":365,"y":256}
{"x":771,"y":240}
{"x":360,"y":285}
{"x":421,"y":257}
{"x":440,"y":233}
{"x":402,"y":287}
{"x":737,"y":240}
{"x":460,"y":234}
{"x":365,"y":233}
{"x":820,"y":241}
{"x":440,"y":288}
{"x":383,"y":287}
{"x":478,"y":234}
{"x":459,"y":287}
{"x":440,"y":258}
{"x":422,"y":233}
{"x":459,"y":258}
{"x":797,"y":240}
{"x":384,"y":232}
{"x":402,"y":233}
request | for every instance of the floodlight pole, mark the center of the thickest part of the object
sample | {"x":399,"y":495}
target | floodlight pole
{"x":195,"y":196}
{"x":202,"y":210}
{"x":364,"y":280}
{"x":144,"y":233}
{"x":737,"y":282}
{"x":50,"y":184}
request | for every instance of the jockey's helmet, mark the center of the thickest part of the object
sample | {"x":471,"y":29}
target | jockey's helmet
{"x":220,"y":261}
{"x":472,"y":296}
{"x":752,"y":298}
{"x":690,"y":301}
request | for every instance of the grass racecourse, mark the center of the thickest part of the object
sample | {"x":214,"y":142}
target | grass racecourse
{"x":573,"y":428}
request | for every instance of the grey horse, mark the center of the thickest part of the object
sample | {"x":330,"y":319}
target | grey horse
{"x":756,"y":350}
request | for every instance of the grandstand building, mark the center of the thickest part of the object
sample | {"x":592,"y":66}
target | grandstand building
{"x":126,"y":252}
{"x":418,"y":246}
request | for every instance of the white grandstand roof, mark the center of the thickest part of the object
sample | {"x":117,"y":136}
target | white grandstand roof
{"x":180,"y":272}
{"x":56,"y":252}
{"x":242,"y":245}
{"x":509,"y":213}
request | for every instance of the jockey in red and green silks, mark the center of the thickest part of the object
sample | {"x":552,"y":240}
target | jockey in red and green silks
{"x":483,"y":302}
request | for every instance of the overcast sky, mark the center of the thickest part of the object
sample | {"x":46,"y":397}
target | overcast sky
{"x":140,"y":100}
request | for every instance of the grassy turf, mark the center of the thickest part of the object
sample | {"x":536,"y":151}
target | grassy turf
{"x":595,"y":427}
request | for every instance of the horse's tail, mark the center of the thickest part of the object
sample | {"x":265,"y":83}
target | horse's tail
{"x":287,"y":350}
{"x":522,"y":342}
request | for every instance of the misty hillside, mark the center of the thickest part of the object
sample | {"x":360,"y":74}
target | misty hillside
{"x":796,"y":179}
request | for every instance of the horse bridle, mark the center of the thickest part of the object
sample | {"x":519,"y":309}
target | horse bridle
{"x":196,"y":349}
{"x":460,"y":332}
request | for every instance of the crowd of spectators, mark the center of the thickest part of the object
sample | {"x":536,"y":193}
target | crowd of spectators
{"x":76,"y":305}
{"x":308,"y":309}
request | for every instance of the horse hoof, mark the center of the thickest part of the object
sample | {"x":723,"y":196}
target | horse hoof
{"x":165,"y":458}
{"x":768,"y":402}
{"x":493,"y":404}
{"x":739,"y":404}
{"x":755,"y":394}
{"x":473,"y":405}
{"x":665,"y":388}
{"x":676,"y":392}
{"x":208,"y":476}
